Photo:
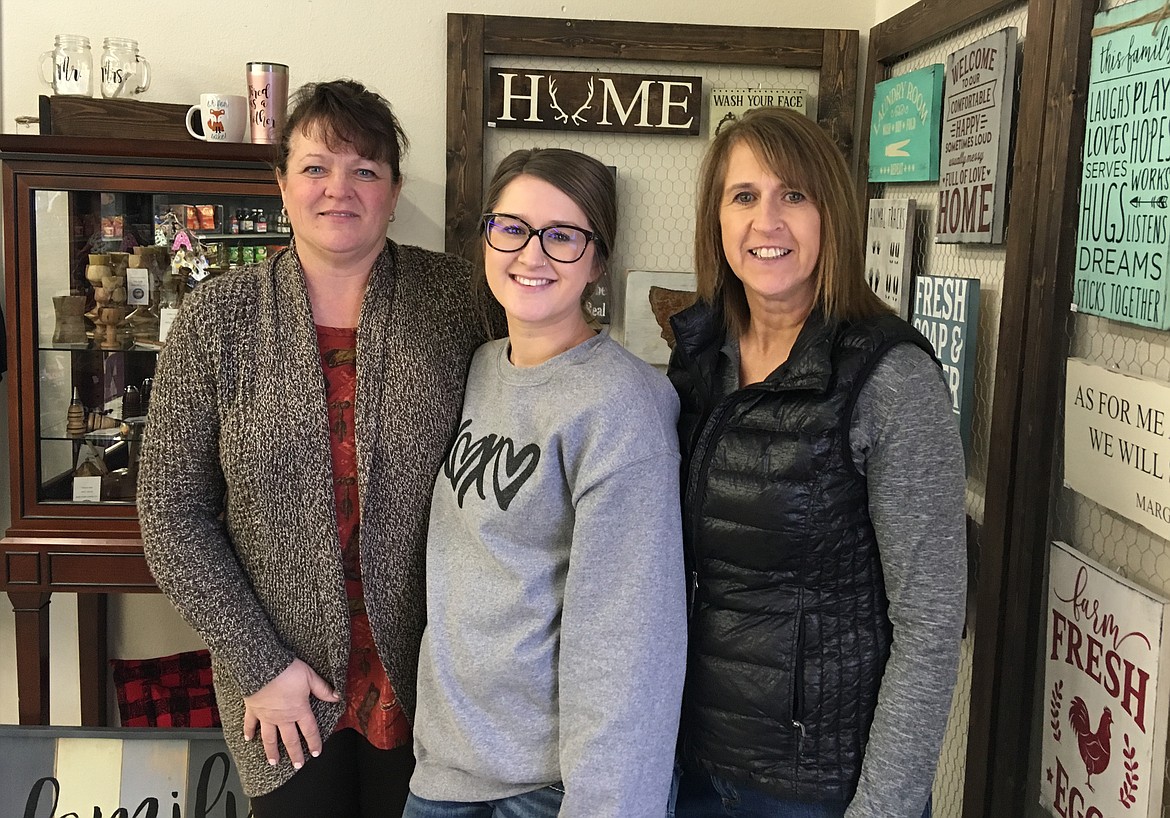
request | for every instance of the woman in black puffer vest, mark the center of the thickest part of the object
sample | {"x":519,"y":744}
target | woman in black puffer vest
{"x":823,"y":501}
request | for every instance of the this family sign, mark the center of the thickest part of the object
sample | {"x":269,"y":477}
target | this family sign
{"x":1105,"y":681}
{"x":1117,"y":442}
{"x":585,"y":101}
{"x":1123,"y":234}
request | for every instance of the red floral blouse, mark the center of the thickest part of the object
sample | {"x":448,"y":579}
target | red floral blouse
{"x":371,"y":706}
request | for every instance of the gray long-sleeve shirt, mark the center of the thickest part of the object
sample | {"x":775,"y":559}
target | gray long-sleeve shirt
{"x":555,"y":640}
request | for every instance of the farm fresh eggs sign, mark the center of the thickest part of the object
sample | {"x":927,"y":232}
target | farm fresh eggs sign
{"x":1105,"y":681}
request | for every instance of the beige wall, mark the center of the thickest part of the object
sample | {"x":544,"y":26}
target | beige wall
{"x":204,"y":48}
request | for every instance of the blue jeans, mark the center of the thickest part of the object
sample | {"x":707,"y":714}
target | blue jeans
{"x":542,"y":803}
{"x":707,"y":796}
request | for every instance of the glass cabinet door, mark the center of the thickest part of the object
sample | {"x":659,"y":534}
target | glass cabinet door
{"x":109,"y":270}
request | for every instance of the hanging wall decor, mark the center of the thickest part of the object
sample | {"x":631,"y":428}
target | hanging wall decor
{"x":128,"y":771}
{"x":1106,"y":682}
{"x":946,"y":311}
{"x":904,"y":133}
{"x":889,"y":242}
{"x":1117,"y":442}
{"x":976,"y":135}
{"x":1123,"y":234}
{"x":729,"y":104}
{"x":593,"y":101}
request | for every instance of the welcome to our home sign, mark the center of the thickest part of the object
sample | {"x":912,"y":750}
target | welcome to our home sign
{"x":977,"y":121}
{"x":594,"y":101}
{"x":1123,"y":233}
{"x":65,"y":772}
{"x":1105,"y":692}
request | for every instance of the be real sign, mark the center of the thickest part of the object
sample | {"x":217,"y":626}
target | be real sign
{"x":591,"y":101}
{"x":1105,"y":681}
{"x":1117,"y":442}
{"x":1123,"y":232}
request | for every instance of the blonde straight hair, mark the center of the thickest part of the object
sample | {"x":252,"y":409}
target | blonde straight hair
{"x":801,"y":154}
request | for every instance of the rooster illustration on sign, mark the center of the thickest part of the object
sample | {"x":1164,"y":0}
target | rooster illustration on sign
{"x":213,"y":124}
{"x":1094,"y":746}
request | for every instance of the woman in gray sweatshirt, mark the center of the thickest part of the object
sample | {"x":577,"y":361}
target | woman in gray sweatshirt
{"x":552,"y":663}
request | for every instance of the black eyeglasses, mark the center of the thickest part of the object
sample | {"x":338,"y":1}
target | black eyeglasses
{"x":560,"y":242}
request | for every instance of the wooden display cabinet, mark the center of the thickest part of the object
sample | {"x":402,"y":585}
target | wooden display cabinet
{"x":65,"y":198}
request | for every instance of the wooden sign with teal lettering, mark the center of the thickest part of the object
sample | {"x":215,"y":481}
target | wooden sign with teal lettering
{"x":904,"y":134}
{"x":1123,"y":231}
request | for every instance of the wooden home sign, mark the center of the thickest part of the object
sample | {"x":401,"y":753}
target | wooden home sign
{"x":589,"y":101}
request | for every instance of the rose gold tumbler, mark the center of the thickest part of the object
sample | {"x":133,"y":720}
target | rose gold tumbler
{"x":267,"y":99}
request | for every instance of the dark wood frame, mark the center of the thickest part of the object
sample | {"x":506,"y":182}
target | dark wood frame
{"x":472,"y":37}
{"x":88,"y":550}
{"x":1029,"y":369}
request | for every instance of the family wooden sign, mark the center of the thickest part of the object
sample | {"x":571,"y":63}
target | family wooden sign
{"x":58,"y":772}
{"x":594,"y":101}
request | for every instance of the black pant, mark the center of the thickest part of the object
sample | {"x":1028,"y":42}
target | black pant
{"x":350,"y":778}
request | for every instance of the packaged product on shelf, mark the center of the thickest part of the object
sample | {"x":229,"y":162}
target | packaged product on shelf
{"x":112,"y":226}
{"x":247,"y":254}
{"x":208,"y":222}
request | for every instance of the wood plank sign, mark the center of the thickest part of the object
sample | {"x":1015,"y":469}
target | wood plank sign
{"x":946,"y":311}
{"x":149,"y":771}
{"x":904,"y":133}
{"x":976,"y":135}
{"x":889,"y":245}
{"x":1117,"y":442}
{"x":729,"y":104}
{"x":1106,"y":672}
{"x":1123,"y":233}
{"x":594,"y":101}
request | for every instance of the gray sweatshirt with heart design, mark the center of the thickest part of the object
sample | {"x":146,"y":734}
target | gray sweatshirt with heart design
{"x":555,"y":644}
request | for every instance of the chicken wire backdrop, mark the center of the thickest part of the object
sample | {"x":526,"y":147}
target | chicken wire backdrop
{"x":1127,"y":548}
{"x":986,"y":263}
{"x":656,"y":175}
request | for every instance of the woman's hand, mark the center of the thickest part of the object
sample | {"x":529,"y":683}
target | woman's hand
{"x":281,"y":708}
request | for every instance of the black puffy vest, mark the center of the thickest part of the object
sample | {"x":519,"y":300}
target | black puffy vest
{"x":789,"y":632}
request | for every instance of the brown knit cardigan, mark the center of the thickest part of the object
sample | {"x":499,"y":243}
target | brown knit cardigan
{"x":235,"y":489}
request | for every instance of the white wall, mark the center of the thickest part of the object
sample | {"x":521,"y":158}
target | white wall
{"x":397,"y":48}
{"x":885,"y":9}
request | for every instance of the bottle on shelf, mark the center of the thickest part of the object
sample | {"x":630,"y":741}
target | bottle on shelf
{"x":261,"y":221}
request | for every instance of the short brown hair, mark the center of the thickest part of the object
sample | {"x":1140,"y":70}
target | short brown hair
{"x":800,"y":153}
{"x":585,"y":180}
{"x":344,"y":112}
